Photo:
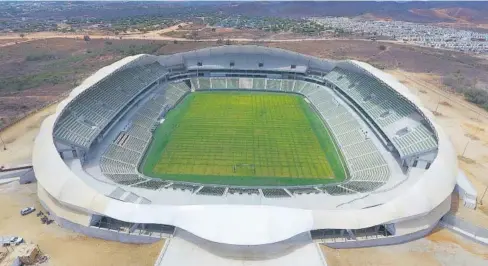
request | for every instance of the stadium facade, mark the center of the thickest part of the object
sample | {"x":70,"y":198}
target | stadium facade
{"x":401,"y":166}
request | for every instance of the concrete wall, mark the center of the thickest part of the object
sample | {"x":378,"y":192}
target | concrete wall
{"x":464,"y":228}
{"x":466,"y":191}
{"x":28,"y":177}
{"x":391,"y":240}
{"x":24,"y":175}
{"x":247,"y":252}
{"x":97,"y":232}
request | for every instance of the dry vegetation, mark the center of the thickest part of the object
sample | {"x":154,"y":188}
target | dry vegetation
{"x":210,"y":33}
{"x":421,"y":69}
{"x":38,"y":72}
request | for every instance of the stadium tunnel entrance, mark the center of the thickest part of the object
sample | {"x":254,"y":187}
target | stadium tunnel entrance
{"x":137,"y":229}
{"x":332,"y":235}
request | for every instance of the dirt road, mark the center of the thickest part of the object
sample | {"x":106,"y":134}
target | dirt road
{"x":152,"y":35}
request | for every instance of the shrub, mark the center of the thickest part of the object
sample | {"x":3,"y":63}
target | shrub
{"x":458,"y":83}
{"x":477,"y":96}
{"x":39,"y":57}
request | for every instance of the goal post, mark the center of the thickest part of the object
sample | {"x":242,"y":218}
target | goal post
{"x":244,"y":168}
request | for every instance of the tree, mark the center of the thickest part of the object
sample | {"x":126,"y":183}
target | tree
{"x":477,"y":96}
{"x":22,"y":35}
{"x":227,"y":42}
{"x":382,"y":47}
{"x":213,"y":29}
{"x":86,"y":38}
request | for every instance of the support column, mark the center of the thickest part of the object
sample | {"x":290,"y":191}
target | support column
{"x":351,"y":234}
{"x":133,"y":227}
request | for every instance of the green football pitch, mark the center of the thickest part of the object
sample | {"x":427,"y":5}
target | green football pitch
{"x":243,"y":138}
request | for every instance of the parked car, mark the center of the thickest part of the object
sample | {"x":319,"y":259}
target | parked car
{"x":27,"y":210}
{"x":16,"y":240}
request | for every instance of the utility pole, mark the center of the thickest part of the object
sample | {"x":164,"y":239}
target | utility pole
{"x":465,"y":147}
{"x":3,"y":143}
{"x":482,"y":196}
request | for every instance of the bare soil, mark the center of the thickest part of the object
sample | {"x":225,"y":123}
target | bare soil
{"x":63,"y":247}
{"x":408,"y":58}
{"x":38,"y":72}
{"x":467,"y":127}
{"x":18,"y":139}
{"x":441,"y":247}
{"x":420,"y":69}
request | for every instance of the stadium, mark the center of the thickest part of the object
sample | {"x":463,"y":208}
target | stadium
{"x":244,"y":146}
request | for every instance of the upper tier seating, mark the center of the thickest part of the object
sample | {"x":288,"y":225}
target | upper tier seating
{"x":417,"y":140}
{"x":87,"y":115}
{"x":385,"y":107}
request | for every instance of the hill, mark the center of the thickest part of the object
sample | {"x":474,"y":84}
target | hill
{"x":423,"y":12}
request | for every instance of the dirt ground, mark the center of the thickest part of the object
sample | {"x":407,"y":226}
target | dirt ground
{"x":63,"y":247}
{"x":19,"y":138}
{"x":466,"y":125}
{"x":39,"y":70}
{"x":440,"y":248}
{"x":35,"y":73}
{"x":396,"y":56}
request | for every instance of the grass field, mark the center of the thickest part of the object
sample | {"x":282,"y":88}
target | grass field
{"x":243,"y":138}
